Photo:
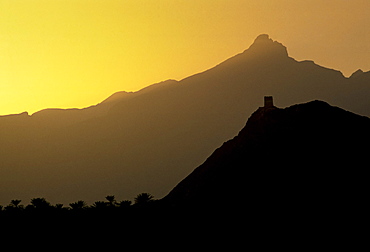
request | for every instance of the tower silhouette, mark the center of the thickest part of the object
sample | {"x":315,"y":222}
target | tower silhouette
{"x":269,"y":102}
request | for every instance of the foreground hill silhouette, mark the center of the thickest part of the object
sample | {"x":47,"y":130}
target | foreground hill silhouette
{"x":149,"y":140}
{"x":305,"y":161}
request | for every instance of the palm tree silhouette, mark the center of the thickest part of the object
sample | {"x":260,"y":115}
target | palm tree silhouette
{"x":143,"y":198}
{"x":15,"y":203}
{"x":99,"y":204}
{"x":59,"y":206}
{"x":111,"y":200}
{"x":40,"y":203}
{"x":78,"y":205}
{"x":14,"y":206}
{"x":124,"y":203}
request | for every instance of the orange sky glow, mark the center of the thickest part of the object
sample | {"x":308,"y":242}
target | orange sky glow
{"x":75,"y":53}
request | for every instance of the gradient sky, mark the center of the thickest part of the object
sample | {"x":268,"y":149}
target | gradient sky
{"x":75,"y":53}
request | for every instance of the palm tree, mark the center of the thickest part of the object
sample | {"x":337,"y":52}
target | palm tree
{"x":15,"y":203}
{"x":99,"y":204}
{"x":59,"y":206}
{"x":143,"y":198}
{"x":40,"y":203}
{"x":124,"y":203}
{"x":78,"y":205}
{"x":111,"y":200}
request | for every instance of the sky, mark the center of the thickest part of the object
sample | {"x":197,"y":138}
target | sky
{"x":76,"y":53}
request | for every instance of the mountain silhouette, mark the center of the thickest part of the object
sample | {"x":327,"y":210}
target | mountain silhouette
{"x":147,"y":141}
{"x":307,"y":158}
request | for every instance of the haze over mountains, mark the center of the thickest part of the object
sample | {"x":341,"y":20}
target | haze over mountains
{"x":147,"y":141}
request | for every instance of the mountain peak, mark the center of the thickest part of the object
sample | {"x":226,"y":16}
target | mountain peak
{"x":263,"y":37}
{"x":264,"y":45}
{"x":356,"y":73}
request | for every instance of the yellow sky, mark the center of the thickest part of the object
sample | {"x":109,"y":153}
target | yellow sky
{"x":75,"y":53}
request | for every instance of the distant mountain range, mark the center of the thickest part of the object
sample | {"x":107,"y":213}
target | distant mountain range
{"x":304,"y":161}
{"x":147,"y":141}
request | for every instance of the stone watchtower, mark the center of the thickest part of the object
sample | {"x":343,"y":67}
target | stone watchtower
{"x":269,"y":102}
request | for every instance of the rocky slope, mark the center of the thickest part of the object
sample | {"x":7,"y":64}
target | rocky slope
{"x":307,"y":158}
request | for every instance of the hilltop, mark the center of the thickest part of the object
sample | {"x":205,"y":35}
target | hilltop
{"x":306,"y":159}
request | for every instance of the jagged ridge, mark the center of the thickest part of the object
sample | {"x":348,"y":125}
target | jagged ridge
{"x":151,"y":139}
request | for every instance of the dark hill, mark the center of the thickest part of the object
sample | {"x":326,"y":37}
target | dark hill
{"x":306,"y":158}
{"x":147,"y":141}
